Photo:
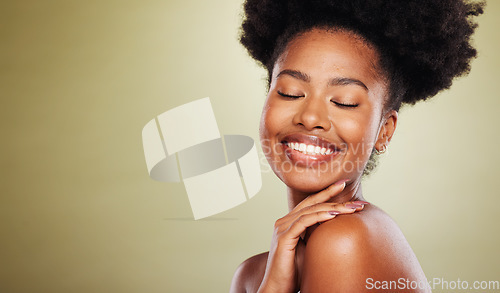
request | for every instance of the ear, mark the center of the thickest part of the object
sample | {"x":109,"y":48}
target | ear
{"x":386,"y":130}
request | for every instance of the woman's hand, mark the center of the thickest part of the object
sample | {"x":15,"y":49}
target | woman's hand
{"x":281,"y":271}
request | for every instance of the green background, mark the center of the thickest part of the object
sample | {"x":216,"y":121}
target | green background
{"x":79,"y":213}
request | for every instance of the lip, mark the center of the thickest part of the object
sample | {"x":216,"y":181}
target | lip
{"x":308,"y":159}
{"x":310,"y":139}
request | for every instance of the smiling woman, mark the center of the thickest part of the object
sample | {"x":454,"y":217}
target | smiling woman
{"x":333,"y":95}
{"x":338,"y":74}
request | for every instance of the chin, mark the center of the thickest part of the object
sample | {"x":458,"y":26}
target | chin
{"x":308,"y":181}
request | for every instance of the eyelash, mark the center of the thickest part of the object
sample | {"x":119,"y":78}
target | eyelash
{"x":336,"y":103}
{"x":289,"y":96}
{"x":345,"y":105}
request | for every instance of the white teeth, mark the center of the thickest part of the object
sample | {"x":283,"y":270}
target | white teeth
{"x":309,"y":149}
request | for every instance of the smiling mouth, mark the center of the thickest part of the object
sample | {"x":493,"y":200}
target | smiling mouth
{"x":308,"y":150}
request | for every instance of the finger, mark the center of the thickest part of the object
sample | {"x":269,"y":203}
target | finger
{"x":351,"y":207}
{"x":323,"y":195}
{"x":307,"y":220}
{"x":346,"y":208}
{"x":332,"y":208}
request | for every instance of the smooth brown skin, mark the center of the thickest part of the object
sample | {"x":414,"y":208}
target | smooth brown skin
{"x":324,"y":69}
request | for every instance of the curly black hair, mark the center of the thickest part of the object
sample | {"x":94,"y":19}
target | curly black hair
{"x":423,"y":44}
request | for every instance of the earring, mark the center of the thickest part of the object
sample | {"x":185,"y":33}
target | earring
{"x":384,"y":148}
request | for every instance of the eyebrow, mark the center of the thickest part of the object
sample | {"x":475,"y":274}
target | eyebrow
{"x":336,"y":81}
{"x":347,"y":81}
{"x":296,"y":74}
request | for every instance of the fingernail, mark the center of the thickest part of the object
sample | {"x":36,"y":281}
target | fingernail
{"x":333,"y":213}
{"x":353,"y":205}
{"x":341,"y":182}
{"x":361,"y":202}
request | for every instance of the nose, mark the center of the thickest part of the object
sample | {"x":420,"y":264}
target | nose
{"x":313,"y":114}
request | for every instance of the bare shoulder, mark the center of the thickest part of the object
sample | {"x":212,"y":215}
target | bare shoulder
{"x":352,"y":252}
{"x":249,"y":274}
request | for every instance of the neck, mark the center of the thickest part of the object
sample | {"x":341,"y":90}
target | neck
{"x":351,"y":192}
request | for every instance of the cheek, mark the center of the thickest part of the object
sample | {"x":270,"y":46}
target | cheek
{"x":266,"y":121}
{"x":264,"y":132}
{"x":358,"y":132}
{"x":275,"y":116}
{"x":270,"y":124}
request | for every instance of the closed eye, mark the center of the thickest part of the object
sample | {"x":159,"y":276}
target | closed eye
{"x":343,"y":105}
{"x":290,"y":96}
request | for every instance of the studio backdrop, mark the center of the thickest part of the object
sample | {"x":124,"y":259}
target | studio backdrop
{"x":79,"y":211}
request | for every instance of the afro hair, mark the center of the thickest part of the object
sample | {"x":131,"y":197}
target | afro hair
{"x":423,"y":44}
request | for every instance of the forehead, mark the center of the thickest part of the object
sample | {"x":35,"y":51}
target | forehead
{"x":329,"y":53}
